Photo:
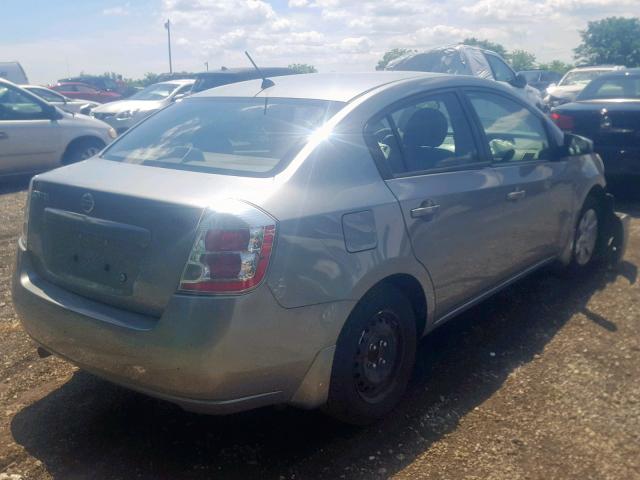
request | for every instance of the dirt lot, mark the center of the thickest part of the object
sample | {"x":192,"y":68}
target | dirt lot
{"x":542,"y":381}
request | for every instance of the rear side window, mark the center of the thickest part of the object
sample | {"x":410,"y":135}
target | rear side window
{"x":429,"y":134}
{"x":232,"y":136}
{"x":513,"y":132}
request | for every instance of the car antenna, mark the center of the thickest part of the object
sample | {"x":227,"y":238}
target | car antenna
{"x":266,"y":82}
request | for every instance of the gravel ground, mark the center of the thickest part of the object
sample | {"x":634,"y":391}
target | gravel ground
{"x":540,"y":382}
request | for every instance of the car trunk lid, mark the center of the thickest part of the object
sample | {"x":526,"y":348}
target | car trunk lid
{"x":121,"y":234}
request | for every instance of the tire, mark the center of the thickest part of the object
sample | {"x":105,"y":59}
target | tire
{"x":587,"y":237}
{"x":374,"y":358}
{"x":82,"y":150}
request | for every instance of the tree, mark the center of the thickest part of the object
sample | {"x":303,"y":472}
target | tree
{"x":303,"y":68}
{"x":522,"y":60}
{"x":486,"y":44}
{"x":392,"y":55}
{"x":556,"y":66}
{"x":612,"y":40}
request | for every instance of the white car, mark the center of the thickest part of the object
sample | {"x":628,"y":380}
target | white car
{"x":573,"y":83}
{"x":123,"y":114}
{"x":65,"y":103}
{"x":36,"y":136}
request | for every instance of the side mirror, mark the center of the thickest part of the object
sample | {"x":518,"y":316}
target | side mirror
{"x":575,"y":145}
{"x":519,"y":81}
{"x":552,"y":85}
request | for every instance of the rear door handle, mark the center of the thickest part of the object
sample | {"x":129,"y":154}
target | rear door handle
{"x":516,"y":195}
{"x":3,"y":135}
{"x":427,"y":208}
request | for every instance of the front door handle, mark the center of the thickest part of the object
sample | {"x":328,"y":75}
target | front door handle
{"x":428,"y":208}
{"x":516,"y":195}
{"x":3,"y":135}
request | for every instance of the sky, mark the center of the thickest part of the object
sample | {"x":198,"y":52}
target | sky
{"x":54,"y":39}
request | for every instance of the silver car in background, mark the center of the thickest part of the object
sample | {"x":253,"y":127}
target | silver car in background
{"x":36,"y":136}
{"x":123,"y":114}
{"x":252,"y":246}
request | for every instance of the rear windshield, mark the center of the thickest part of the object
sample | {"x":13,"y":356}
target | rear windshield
{"x":231,"y":136}
{"x":626,"y":86}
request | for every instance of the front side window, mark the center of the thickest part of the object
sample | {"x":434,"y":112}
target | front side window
{"x":501,"y":71}
{"x":431,"y":133}
{"x":513,"y":132}
{"x":15,"y":105}
{"x":231,"y":136}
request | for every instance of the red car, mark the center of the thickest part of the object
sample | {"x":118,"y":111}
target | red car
{"x":85,"y":92}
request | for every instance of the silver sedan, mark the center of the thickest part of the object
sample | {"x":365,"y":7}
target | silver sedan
{"x":290,"y":242}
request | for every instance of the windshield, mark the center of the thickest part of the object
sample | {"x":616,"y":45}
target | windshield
{"x":617,"y":87}
{"x":232,"y":136}
{"x":577,"y":78}
{"x":47,"y":95}
{"x":159,"y":91}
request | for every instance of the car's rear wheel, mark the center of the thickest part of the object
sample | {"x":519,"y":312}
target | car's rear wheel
{"x":83,"y":150}
{"x":374,"y":357}
{"x":587,"y":241}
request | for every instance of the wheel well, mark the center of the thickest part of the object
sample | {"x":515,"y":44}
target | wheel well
{"x":597,"y":192}
{"x":77,"y":141}
{"x":410,"y":286}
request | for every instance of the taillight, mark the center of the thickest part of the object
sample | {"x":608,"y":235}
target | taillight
{"x":232,"y":250}
{"x":25,"y":218}
{"x":564,"y":122}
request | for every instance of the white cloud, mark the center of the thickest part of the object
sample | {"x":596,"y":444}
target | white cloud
{"x":117,"y":11}
{"x":298,"y":3}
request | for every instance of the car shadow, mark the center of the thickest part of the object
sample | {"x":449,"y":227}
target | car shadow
{"x":14,"y":184}
{"x":89,"y":428}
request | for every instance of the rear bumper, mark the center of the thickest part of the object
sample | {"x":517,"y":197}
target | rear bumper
{"x":207,"y":354}
{"x":620,"y":161}
{"x":616,"y":231}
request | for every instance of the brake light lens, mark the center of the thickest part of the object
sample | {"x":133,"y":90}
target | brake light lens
{"x":232,"y":250}
{"x":564,"y":122}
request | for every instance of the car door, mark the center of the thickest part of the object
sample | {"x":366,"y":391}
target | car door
{"x":29,"y":139}
{"x":534,"y":184}
{"x":449,"y":199}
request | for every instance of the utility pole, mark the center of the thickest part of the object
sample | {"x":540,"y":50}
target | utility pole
{"x":206,"y":65}
{"x":167,"y":25}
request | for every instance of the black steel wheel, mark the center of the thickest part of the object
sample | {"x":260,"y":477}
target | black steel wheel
{"x":374,"y":357}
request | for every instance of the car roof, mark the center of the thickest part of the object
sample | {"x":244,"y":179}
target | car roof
{"x":337,"y":87}
{"x":629,"y":72}
{"x":598,"y":67}
{"x":74,"y":83}
{"x":246,"y":70}
{"x":177,"y":81}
